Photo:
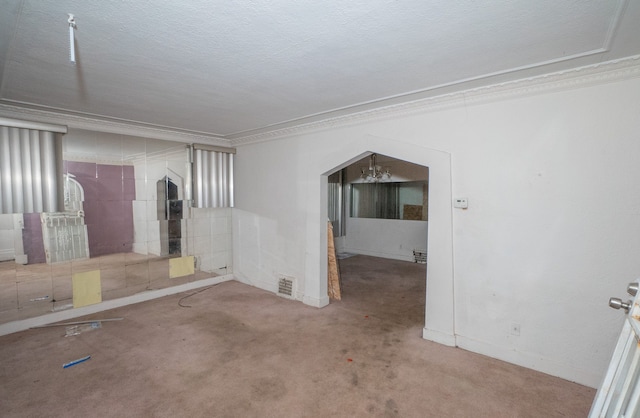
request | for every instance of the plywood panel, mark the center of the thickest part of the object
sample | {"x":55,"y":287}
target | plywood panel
{"x":334,"y":274}
{"x":182,"y":266}
{"x":87,"y":288}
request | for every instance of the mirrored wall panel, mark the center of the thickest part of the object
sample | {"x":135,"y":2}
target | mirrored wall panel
{"x":393,"y":200}
{"x":126,"y":225}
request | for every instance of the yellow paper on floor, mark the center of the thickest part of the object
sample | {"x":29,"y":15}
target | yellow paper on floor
{"x":182,"y":266}
{"x":87,"y":289}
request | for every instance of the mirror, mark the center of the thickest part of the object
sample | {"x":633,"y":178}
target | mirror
{"x":390,"y":200}
{"x":127,"y":227}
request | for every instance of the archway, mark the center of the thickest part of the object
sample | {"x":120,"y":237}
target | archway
{"x":439,"y":312}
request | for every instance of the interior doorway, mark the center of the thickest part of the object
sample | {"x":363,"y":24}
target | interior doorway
{"x":383,"y":217}
{"x":378,"y":208}
{"x":439,"y":307}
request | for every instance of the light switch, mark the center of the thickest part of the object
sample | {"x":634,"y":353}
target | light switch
{"x":461,"y":202}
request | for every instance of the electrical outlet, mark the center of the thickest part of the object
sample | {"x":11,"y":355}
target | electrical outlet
{"x":515,"y":329}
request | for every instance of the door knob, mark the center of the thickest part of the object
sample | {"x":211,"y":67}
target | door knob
{"x":617,"y":303}
{"x":632,"y":289}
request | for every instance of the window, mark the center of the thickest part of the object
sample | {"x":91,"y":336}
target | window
{"x":212,"y":176}
{"x":29,"y":170}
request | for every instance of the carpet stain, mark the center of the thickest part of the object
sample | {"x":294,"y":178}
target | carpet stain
{"x":268,"y":388}
{"x":391,"y":408}
{"x":227,"y":356}
{"x":354,"y":379}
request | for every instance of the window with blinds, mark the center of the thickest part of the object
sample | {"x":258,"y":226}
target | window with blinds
{"x":212,"y":176}
{"x":30,"y":170}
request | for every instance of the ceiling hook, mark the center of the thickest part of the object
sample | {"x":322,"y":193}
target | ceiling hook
{"x":72,"y":20}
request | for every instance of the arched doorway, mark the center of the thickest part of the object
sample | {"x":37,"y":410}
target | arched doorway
{"x":439,"y":312}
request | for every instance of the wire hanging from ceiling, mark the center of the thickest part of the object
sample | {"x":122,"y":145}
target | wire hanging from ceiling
{"x":72,"y":40}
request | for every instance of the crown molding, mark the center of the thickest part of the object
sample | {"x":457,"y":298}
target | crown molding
{"x":82,"y":158}
{"x":78,"y":121}
{"x":580,"y":77}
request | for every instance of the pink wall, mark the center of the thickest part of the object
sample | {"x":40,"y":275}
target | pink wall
{"x":32,"y":239}
{"x":109,"y":191}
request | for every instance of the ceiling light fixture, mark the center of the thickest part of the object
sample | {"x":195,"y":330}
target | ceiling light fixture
{"x":375,"y":172}
{"x":72,"y":43}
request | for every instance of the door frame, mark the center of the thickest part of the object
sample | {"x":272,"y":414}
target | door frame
{"x":440,"y":291}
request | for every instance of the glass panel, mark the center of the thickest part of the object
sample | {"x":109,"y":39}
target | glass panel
{"x":389,"y":200}
{"x":127,"y":227}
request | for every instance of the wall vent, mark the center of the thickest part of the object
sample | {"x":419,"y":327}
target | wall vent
{"x":286,"y":287}
{"x":420,"y":256}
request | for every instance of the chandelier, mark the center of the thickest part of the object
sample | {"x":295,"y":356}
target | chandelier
{"x":375,"y":172}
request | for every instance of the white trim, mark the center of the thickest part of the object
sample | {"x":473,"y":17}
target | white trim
{"x":97,"y":159}
{"x":102,"y":124}
{"x":401,"y":257}
{"x":272,"y":287}
{"x":24,"y":324}
{"x":588,"y":75}
{"x":316,"y":302}
{"x":214,"y":148}
{"x":531,"y":361}
{"x":439,"y":337}
{"x":585,"y":76}
{"x":439,"y":309}
{"x":25,"y":124}
{"x":8,"y":254}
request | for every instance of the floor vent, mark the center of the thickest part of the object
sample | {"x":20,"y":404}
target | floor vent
{"x":420,"y":256}
{"x":286,"y":287}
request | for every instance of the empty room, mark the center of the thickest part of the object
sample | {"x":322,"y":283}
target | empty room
{"x":310,"y":209}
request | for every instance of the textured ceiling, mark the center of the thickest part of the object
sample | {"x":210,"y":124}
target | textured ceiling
{"x":230,"y":69}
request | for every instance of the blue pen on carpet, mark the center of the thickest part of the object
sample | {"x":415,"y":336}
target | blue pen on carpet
{"x":74,"y":362}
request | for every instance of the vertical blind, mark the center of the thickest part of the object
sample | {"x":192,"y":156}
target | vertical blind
{"x":29,"y":170}
{"x":212,"y":177}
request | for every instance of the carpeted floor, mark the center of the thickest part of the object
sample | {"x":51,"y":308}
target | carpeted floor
{"x":236,"y":351}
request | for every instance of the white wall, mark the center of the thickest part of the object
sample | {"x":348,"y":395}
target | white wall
{"x":7,"y":246}
{"x":11,"y":245}
{"x":550,"y":234}
{"x":386,"y":238}
{"x":209,"y":239}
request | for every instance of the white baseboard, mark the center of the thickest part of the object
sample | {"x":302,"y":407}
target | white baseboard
{"x":316,"y":302}
{"x":402,"y":257}
{"x":6,"y":255}
{"x":531,"y":361}
{"x":25,"y":324}
{"x":439,"y":337}
{"x":273,"y":288}
{"x":260,"y":284}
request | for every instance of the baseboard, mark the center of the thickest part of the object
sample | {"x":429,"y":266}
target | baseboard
{"x":273,"y":288}
{"x":316,"y":302}
{"x":531,"y":361}
{"x":6,"y":255}
{"x":260,"y":284}
{"x":439,"y":337}
{"x":402,"y":257}
{"x":24,"y":324}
